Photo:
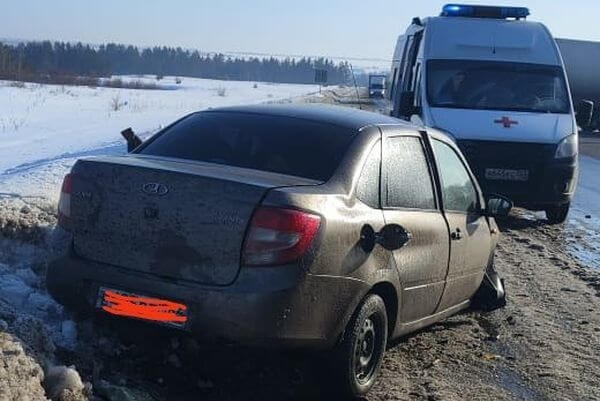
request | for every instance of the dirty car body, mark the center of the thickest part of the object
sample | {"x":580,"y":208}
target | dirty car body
{"x":265,"y":224}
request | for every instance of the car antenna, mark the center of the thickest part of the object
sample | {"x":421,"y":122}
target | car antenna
{"x":356,"y":87}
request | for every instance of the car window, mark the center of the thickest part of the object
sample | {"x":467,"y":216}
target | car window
{"x":458,"y":192}
{"x":285,"y":145}
{"x":367,"y":189}
{"x":408,"y":180}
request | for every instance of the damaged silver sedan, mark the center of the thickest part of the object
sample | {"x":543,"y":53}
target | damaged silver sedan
{"x":294,"y":226}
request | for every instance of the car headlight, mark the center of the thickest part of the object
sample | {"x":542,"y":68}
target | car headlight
{"x":568,"y":147}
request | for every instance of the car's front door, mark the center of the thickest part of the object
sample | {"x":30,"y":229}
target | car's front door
{"x":408,"y":199}
{"x":469,"y":230}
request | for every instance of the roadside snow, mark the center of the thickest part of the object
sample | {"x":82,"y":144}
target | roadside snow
{"x":27,"y":241}
{"x":22,"y":291}
{"x":584,"y":217}
{"x":20,"y":375}
{"x":32,"y":324}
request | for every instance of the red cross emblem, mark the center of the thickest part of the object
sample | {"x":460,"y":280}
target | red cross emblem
{"x":506,"y":122}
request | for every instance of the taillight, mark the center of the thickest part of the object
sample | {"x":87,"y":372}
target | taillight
{"x":64,"y":204}
{"x":279,"y":236}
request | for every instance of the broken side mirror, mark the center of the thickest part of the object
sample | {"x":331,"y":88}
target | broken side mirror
{"x":133,"y":141}
{"x":584,"y":113}
{"x":498,"y":206}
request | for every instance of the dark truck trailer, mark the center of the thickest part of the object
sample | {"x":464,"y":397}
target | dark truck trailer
{"x":582,"y":63}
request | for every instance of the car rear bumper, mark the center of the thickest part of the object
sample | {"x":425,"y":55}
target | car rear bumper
{"x":279,"y":306}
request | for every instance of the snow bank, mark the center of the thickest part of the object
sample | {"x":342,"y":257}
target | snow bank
{"x":32,"y":324}
{"x":27,"y":241}
{"x":61,"y":379}
{"x":20,"y":375}
{"x":30,"y":301}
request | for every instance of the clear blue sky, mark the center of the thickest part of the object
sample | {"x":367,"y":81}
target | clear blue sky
{"x":348,"y":28}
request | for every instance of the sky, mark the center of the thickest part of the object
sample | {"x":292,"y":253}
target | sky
{"x":349,"y":28}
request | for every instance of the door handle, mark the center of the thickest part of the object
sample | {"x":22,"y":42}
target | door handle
{"x":456,"y":235}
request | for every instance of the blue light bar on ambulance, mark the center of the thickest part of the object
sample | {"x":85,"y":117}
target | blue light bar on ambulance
{"x":463,"y":10}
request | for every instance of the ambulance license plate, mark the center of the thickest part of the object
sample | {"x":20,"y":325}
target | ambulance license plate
{"x":501,"y":174}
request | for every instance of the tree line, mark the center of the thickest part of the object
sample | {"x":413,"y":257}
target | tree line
{"x":43,"y":61}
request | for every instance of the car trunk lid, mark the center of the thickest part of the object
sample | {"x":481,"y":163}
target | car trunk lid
{"x":171,"y":218}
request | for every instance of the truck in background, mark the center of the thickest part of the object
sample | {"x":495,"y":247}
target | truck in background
{"x":377,"y":85}
{"x":496,"y":83}
{"x":582,"y":62}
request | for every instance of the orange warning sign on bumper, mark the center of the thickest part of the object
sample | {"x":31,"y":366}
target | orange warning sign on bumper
{"x":141,"y":307}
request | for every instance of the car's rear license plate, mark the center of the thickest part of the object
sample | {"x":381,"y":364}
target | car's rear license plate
{"x":162,"y":311}
{"x":502,"y":174}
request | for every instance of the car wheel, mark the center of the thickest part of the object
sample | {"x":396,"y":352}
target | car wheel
{"x":360,"y":353}
{"x":557,"y":214}
{"x":491,"y":294}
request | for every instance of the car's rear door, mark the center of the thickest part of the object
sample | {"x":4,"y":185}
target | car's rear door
{"x":408,"y":198}
{"x":469,"y":231}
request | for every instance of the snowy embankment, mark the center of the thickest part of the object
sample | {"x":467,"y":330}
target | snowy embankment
{"x":43,"y":130}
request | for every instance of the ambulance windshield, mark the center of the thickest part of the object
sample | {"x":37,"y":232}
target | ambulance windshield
{"x":493,"y":85}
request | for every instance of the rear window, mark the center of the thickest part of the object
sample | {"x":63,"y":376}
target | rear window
{"x":277,"y":144}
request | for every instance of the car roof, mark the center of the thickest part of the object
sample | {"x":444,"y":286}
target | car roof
{"x":346,"y":117}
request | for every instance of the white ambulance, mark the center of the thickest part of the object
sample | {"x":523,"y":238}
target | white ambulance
{"x":496,"y":84}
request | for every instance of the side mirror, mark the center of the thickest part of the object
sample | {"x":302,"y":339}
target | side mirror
{"x":133,"y":141}
{"x":498,"y":206}
{"x":584,"y":113}
{"x":406,"y":106}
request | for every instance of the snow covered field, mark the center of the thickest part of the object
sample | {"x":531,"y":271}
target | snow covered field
{"x":44,"y":128}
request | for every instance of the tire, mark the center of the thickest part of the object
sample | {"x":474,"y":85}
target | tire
{"x":557,"y":214}
{"x":491,"y":294}
{"x":359,"y":355}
